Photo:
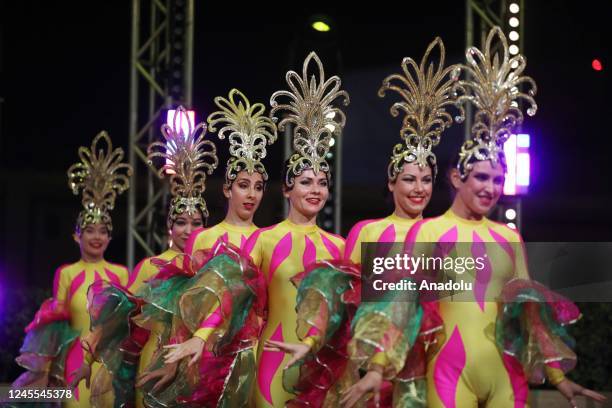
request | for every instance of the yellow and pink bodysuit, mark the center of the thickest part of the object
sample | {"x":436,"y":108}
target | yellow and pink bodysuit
{"x":145,"y":270}
{"x":203,"y":240}
{"x":468,"y":368}
{"x":69,"y":300}
{"x":193,"y":297}
{"x":371,"y":343}
{"x":281,"y":252}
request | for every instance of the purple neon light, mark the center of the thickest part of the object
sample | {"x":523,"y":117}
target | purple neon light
{"x":510,"y":152}
{"x":516,"y":150}
{"x":522,"y":140}
{"x":522,"y":166}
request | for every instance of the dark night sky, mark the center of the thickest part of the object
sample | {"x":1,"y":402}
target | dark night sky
{"x":65,"y":76}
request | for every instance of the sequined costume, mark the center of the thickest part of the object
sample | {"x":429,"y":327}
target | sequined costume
{"x":53,"y":340}
{"x":504,"y":330}
{"x":224,"y":303}
{"x":130,"y":326}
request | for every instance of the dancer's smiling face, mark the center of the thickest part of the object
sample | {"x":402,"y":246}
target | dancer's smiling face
{"x":482,"y":188}
{"x":93,"y":241}
{"x":411,"y":190}
{"x":309,"y":193}
{"x":182,"y":227}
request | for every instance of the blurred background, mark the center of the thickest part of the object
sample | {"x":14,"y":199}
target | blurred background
{"x":65,"y":75}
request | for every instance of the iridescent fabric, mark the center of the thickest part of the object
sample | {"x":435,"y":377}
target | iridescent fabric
{"x":328,"y":295}
{"x":160,"y":314}
{"x":114,"y":341}
{"x":45,"y":347}
{"x":226,"y":376}
{"x":390,"y":325}
{"x":531,"y":328}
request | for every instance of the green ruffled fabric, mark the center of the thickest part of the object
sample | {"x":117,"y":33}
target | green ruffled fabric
{"x":48,"y":345}
{"x":390,"y":325}
{"x":221,"y":281}
{"x":410,"y":394}
{"x":113,"y":322}
{"x":326,"y":284}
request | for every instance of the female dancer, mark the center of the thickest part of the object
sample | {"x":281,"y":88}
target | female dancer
{"x":52,"y":351}
{"x":244,"y":185}
{"x":491,"y":351}
{"x":427,"y":92}
{"x":124,"y":348}
{"x":285,"y":249}
{"x":410,"y":180}
{"x":206,"y":299}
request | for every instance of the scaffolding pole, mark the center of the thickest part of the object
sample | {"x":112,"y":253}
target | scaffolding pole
{"x":161,"y":77}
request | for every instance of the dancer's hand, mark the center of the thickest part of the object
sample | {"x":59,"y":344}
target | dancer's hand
{"x":372,"y":381}
{"x":192,"y":347}
{"x":570,"y":389}
{"x":165,"y":374}
{"x":83,"y":372}
{"x":297,"y":350}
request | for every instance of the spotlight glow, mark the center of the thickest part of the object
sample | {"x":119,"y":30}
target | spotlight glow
{"x":522,"y":140}
{"x":182,"y":123}
{"x":518,"y":160}
{"x":514,"y":36}
{"x":511,"y":225}
{"x":510,"y":214}
{"x":514,"y":8}
{"x":321,"y":26}
{"x":514,"y":22}
{"x":514,"y":49}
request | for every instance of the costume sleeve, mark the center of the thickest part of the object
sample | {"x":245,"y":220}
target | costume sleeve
{"x":138,"y":275}
{"x":48,"y":338}
{"x":352,"y":249}
{"x":532,"y":327}
{"x":328,"y":294}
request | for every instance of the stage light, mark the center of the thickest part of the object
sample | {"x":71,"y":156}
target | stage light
{"x":514,"y":49}
{"x":182,"y":123}
{"x":522,"y":140}
{"x":331,"y":115}
{"x":330,"y":127}
{"x":510,"y":214}
{"x":514,"y":36}
{"x":514,"y":8}
{"x":518,"y":161}
{"x":514,"y":64}
{"x":321,"y":26}
{"x":522,"y":169}
{"x":511,"y":225}
{"x":597,"y":65}
{"x":514,"y":22}
{"x":332,"y":142}
{"x":510,"y":153}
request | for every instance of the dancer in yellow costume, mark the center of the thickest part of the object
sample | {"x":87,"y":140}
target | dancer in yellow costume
{"x":52,"y":349}
{"x":425,"y":89}
{"x":218,"y":306}
{"x":122,"y":342}
{"x":286,"y":249}
{"x":425,"y":94}
{"x":483,"y":361}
